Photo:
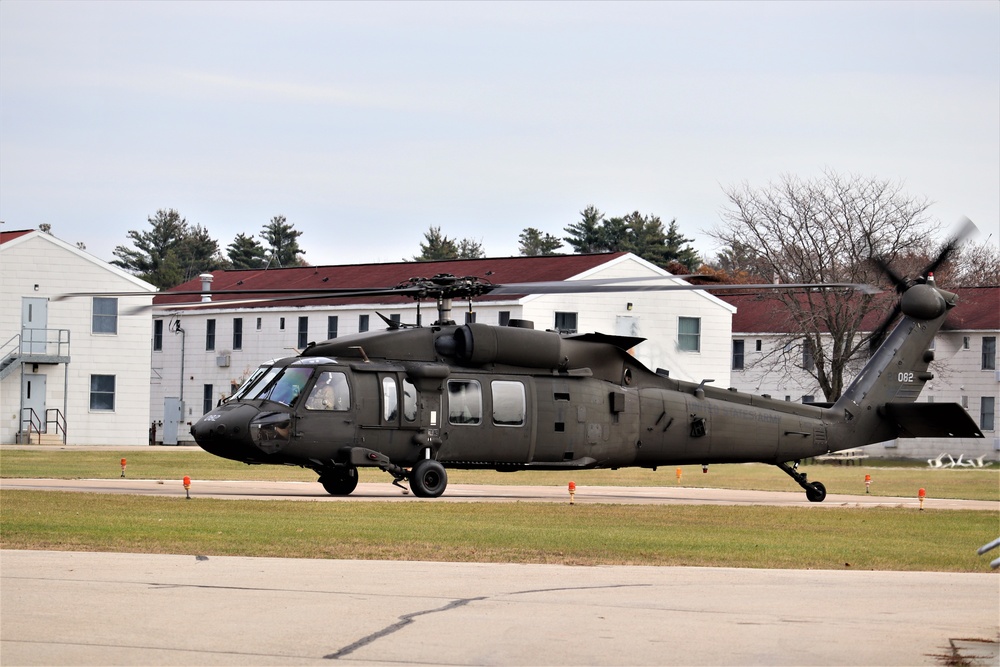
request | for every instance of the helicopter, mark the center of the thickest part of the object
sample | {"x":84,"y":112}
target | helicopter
{"x":415,"y":400}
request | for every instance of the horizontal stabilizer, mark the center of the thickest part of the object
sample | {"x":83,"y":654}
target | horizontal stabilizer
{"x":932,"y":420}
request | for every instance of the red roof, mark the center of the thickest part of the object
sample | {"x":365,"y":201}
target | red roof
{"x":978,"y":309}
{"x":497,"y":270}
{"x":10,"y":236}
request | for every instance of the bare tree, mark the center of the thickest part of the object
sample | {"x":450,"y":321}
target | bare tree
{"x":822,"y":231}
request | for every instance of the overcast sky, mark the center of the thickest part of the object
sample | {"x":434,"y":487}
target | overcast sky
{"x":365,"y":124}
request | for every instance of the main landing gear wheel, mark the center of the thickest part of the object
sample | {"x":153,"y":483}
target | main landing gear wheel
{"x":340,"y":481}
{"x":428,"y":479}
{"x":815,"y":492}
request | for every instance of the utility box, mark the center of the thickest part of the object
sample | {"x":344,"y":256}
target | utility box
{"x":173,"y":417}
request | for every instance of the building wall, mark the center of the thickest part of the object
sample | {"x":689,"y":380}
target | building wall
{"x":57,"y":268}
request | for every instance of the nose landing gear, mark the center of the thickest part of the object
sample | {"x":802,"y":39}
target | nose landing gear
{"x":815,"y":491}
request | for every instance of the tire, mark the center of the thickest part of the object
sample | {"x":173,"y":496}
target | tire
{"x":340,"y":481}
{"x":428,"y":479}
{"x":816,"y":492}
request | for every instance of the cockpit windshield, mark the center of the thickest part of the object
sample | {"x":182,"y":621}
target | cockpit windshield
{"x":282,"y":385}
{"x":248,"y":384}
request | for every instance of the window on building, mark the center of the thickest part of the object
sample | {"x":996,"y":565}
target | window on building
{"x":966,"y":341}
{"x":508,"y":403}
{"x":737,"y":355}
{"x":465,"y":402}
{"x":237,"y":333}
{"x":281,"y":323}
{"x":303,"y":339}
{"x":470,"y":316}
{"x":105,"y":319}
{"x":258,"y":324}
{"x":206,"y":399}
{"x":157,"y":335}
{"x":566,"y":322}
{"x":362,"y":323}
{"x":331,"y":327}
{"x":209,"y":334}
{"x":808,"y":398}
{"x":102,"y":392}
{"x":808,"y":361}
{"x":987,"y":413}
{"x":689,"y":334}
{"x":989,"y":353}
{"x":504,"y":318}
{"x":758,"y":345}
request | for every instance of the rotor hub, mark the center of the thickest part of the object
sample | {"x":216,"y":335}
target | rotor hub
{"x":923,"y":302}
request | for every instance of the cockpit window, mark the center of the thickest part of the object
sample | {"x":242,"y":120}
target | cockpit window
{"x":260,"y":388}
{"x":287,"y":387}
{"x":331,"y":392}
{"x":249,"y":383}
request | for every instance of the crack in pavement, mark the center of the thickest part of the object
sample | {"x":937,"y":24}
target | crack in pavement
{"x":404,"y":620}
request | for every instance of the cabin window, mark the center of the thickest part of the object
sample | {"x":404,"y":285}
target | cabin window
{"x":105,"y":319}
{"x":237,"y":333}
{"x":362,"y":323}
{"x":409,"y":401}
{"x":331,"y":392}
{"x":303,"y":339}
{"x":157,"y":335}
{"x":737,"y":355}
{"x":102,"y":392}
{"x":508,"y":403}
{"x":566,"y":322}
{"x":689,"y":334}
{"x":331,"y":327}
{"x":989,"y":353}
{"x":390,"y":400}
{"x":465,"y":402}
{"x":209,"y":334}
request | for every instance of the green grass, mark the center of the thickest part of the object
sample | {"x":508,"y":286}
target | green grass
{"x":159,"y":463}
{"x":754,"y":537}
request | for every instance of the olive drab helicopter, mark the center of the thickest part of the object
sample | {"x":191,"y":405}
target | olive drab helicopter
{"x":415,"y":400}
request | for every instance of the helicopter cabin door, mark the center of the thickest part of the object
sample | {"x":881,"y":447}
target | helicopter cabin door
{"x":487,"y":420}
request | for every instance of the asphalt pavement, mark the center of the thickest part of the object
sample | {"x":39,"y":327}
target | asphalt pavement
{"x":60,"y":608}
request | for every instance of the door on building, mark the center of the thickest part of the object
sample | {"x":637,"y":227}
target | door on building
{"x":33,"y":402}
{"x":34,"y":321}
{"x":173,"y":415}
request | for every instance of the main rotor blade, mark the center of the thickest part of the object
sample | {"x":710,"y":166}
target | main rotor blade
{"x":965,"y":230}
{"x":574,"y":287}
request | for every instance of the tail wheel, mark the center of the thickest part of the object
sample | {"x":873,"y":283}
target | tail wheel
{"x":815,"y":492}
{"x":340,"y":481}
{"x":428,"y":479}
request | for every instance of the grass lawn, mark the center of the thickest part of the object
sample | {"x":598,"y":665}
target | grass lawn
{"x":167,"y":463}
{"x":756,"y":537}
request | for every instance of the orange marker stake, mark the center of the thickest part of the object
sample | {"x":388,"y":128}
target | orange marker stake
{"x":187,"y":487}
{"x":123,"y":467}
{"x":921,"y":494}
{"x":572,"y":491}
{"x":868,"y":483}
{"x":679,"y":471}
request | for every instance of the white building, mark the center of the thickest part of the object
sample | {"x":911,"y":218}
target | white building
{"x":75,"y":370}
{"x":767,"y":358}
{"x":200,"y":356}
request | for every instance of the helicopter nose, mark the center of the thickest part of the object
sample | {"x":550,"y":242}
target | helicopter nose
{"x":225,"y":432}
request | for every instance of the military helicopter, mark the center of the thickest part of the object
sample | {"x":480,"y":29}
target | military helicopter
{"x":416,"y":400}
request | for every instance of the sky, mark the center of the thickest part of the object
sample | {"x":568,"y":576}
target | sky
{"x":365,"y":124}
